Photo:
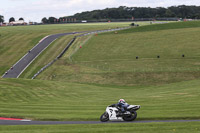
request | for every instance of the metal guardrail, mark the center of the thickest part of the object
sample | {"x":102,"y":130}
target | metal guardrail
{"x":59,"y":56}
{"x":70,"y":43}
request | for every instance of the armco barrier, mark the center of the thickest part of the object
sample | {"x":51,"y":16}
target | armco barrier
{"x":69,"y":44}
{"x":59,"y":56}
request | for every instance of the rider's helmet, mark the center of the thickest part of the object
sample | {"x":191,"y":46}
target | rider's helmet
{"x":122,"y":101}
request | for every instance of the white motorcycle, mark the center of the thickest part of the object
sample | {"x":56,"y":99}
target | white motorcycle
{"x":113,"y":113}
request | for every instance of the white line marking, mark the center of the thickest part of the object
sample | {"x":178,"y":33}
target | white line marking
{"x":25,"y":55}
{"x":43,"y":38}
{"x":25,"y":120}
{"x":35,"y":58}
{"x":40,"y":42}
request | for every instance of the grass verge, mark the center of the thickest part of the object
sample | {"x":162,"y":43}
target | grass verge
{"x":50,"y":100}
{"x":184,"y":127}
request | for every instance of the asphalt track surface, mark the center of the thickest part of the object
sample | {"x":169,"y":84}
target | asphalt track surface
{"x":16,"y":70}
{"x":8,"y":122}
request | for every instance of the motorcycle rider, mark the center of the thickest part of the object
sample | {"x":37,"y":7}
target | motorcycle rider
{"x":123,"y":105}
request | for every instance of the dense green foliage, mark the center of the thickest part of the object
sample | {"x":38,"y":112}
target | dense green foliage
{"x":21,"y":19}
{"x":1,"y":18}
{"x":123,"y":12}
{"x":11,"y":19}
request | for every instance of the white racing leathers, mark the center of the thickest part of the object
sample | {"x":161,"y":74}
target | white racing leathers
{"x":114,"y":113}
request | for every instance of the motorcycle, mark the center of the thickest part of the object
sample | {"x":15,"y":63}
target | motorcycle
{"x":113,"y":113}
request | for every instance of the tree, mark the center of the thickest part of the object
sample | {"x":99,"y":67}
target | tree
{"x":45,"y":20}
{"x":21,"y":19}
{"x":53,"y":20}
{"x":123,"y":12}
{"x":1,"y":19}
{"x":169,"y":13}
{"x":11,"y":19}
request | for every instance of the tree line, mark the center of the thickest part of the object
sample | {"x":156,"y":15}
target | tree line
{"x":1,"y":19}
{"x":58,"y":20}
{"x":123,"y":12}
{"x":10,"y":20}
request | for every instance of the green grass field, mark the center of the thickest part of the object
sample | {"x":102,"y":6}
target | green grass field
{"x":80,"y":85}
{"x":50,"y":100}
{"x":185,"y":127}
{"x":111,"y":58}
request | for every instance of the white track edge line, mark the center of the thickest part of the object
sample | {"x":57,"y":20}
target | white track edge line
{"x":25,"y":120}
{"x":35,"y":58}
{"x":26,"y":54}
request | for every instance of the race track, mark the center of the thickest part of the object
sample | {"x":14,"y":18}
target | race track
{"x":8,"y":122}
{"x":16,"y":70}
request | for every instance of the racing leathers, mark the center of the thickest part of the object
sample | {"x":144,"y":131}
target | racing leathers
{"x":123,"y":106}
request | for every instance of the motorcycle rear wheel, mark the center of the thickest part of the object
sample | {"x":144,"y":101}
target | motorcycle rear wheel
{"x":131,"y":117}
{"x":104,"y":117}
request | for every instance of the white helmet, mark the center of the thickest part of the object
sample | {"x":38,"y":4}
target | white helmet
{"x":122,"y":101}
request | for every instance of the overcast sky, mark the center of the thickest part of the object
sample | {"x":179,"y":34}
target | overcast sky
{"x":35,"y":10}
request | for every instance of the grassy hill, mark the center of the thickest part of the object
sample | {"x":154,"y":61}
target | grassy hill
{"x":110,"y":59}
{"x":81,"y":84}
{"x":17,"y":40}
{"x":164,"y":26}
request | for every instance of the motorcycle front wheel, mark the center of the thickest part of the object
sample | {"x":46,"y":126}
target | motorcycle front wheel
{"x":104,"y":117}
{"x":131,"y":117}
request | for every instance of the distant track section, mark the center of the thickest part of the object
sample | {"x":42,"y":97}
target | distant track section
{"x":16,"y":70}
{"x":69,"y":44}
